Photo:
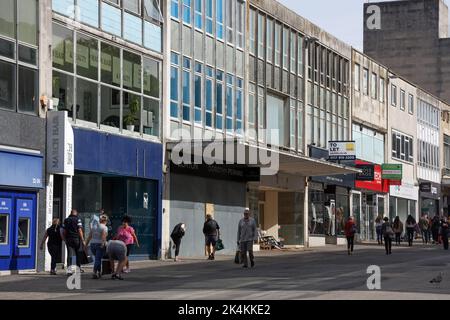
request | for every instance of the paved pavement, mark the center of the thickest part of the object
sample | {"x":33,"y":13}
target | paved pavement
{"x":325,"y":273}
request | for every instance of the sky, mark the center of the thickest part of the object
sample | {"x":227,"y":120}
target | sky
{"x":341,"y":18}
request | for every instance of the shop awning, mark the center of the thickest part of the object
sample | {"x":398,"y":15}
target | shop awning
{"x":242,"y":153}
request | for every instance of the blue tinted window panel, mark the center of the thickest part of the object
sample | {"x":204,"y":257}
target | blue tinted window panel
{"x":132,"y":28}
{"x":174,"y":9}
{"x":208,"y":120}
{"x":174,"y":84}
{"x":88,"y":12}
{"x":198,"y":115}
{"x":64,"y":7}
{"x":174,"y":110}
{"x":152,"y":36}
{"x":186,"y":113}
{"x":111,"y":19}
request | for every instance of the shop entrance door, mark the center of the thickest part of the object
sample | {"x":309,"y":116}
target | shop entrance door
{"x":369,"y":213}
{"x":17,"y":231}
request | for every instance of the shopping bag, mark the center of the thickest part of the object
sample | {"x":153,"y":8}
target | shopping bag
{"x":84,"y":258}
{"x":237,"y":257}
{"x":219,"y":245}
{"x":106,"y":267}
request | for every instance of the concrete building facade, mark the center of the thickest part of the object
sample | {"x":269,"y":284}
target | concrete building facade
{"x":413,"y":41}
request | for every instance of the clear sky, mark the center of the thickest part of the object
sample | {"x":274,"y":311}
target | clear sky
{"x":342,"y":18}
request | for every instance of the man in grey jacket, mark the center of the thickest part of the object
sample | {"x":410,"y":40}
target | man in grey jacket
{"x":246,"y":235}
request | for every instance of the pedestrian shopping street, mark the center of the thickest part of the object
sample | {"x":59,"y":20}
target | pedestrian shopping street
{"x":324,"y":273}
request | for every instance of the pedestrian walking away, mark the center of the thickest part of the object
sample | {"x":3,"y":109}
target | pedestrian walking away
{"x":54,"y":244}
{"x":247,"y":234}
{"x":350,"y":230}
{"x":72,"y":234}
{"x":445,"y":222}
{"x":424,"y":226}
{"x":410,"y":228}
{"x":97,"y":240}
{"x":388,"y":234}
{"x":178,"y":232}
{"x":117,"y":251}
{"x":378,"y":225}
{"x":211,"y":230}
{"x":435,"y":225}
{"x":398,"y":230}
{"x":127,"y":235}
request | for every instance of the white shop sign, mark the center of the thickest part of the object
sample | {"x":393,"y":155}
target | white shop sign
{"x":60,"y":144}
{"x":405,"y":191}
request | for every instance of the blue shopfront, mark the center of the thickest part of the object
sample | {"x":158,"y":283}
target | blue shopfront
{"x":21,"y":178}
{"x":122,"y":176}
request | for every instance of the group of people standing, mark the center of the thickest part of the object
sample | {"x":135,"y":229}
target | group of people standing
{"x":247,"y":234}
{"x":118,"y":248}
{"x":387,"y":231}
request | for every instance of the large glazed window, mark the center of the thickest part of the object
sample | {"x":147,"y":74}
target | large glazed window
{"x":28,"y":90}
{"x":7,"y":85}
{"x":4,"y":226}
{"x":7,"y":23}
{"x":23,"y":230}
{"x":276,"y":121}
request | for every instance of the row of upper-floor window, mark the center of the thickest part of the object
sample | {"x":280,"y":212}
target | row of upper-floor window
{"x":137,"y":21}
{"x":369,"y":143}
{"x":223,"y":18}
{"x":402,"y":146}
{"x":204,"y":95}
{"x":101,"y":83}
{"x":19,"y":76}
{"x":428,"y":155}
{"x":428,"y":114}
{"x":402,"y":105}
{"x":375,"y":82}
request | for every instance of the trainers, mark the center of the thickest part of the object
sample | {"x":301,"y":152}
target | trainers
{"x":126,"y":270}
{"x":53,"y":272}
{"x":95,"y":276}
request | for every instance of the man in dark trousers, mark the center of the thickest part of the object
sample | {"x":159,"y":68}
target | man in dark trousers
{"x":211,"y":230}
{"x":178,"y":233}
{"x":74,"y":238}
{"x":444,"y":231}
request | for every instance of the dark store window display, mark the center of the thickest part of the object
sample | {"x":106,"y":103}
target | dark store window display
{"x":119,"y":196}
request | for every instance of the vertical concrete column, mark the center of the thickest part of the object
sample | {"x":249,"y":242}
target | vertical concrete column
{"x":306,"y":215}
{"x":45,"y":51}
{"x":271,"y":213}
{"x":67,"y":195}
{"x":49,"y":215}
{"x":165,"y":132}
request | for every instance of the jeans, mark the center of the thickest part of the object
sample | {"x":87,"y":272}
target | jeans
{"x":410,"y":232}
{"x":425,"y":236}
{"x":379,"y":235}
{"x":73,"y":250}
{"x":388,"y":244}
{"x":247,"y":246}
{"x":98,"y":250}
{"x":350,"y":243}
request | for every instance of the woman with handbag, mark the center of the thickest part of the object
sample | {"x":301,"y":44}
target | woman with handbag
{"x":54,"y":244}
{"x":97,"y":240}
{"x":398,"y":229}
{"x":127,"y":235}
{"x":350,"y":230}
{"x":388,"y":234}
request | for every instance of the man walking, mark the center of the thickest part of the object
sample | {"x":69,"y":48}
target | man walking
{"x":211,"y":230}
{"x":73,"y":236}
{"x":423,"y":225}
{"x":246,"y":235}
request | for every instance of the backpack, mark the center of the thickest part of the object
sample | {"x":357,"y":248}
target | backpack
{"x":388,"y":232}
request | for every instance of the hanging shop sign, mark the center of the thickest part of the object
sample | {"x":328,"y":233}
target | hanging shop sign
{"x":341,"y":150}
{"x":367,"y":172}
{"x":60,"y":144}
{"x":391,"y":171}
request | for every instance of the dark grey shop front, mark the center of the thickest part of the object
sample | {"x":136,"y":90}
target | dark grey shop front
{"x":429,"y":196}
{"x":196,"y":190}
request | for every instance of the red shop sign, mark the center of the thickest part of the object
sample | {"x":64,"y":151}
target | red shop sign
{"x":377,"y":184}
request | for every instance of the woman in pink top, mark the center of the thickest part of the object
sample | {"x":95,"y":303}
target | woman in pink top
{"x":126,"y":234}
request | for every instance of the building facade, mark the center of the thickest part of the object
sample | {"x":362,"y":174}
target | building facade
{"x":422,"y":55}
